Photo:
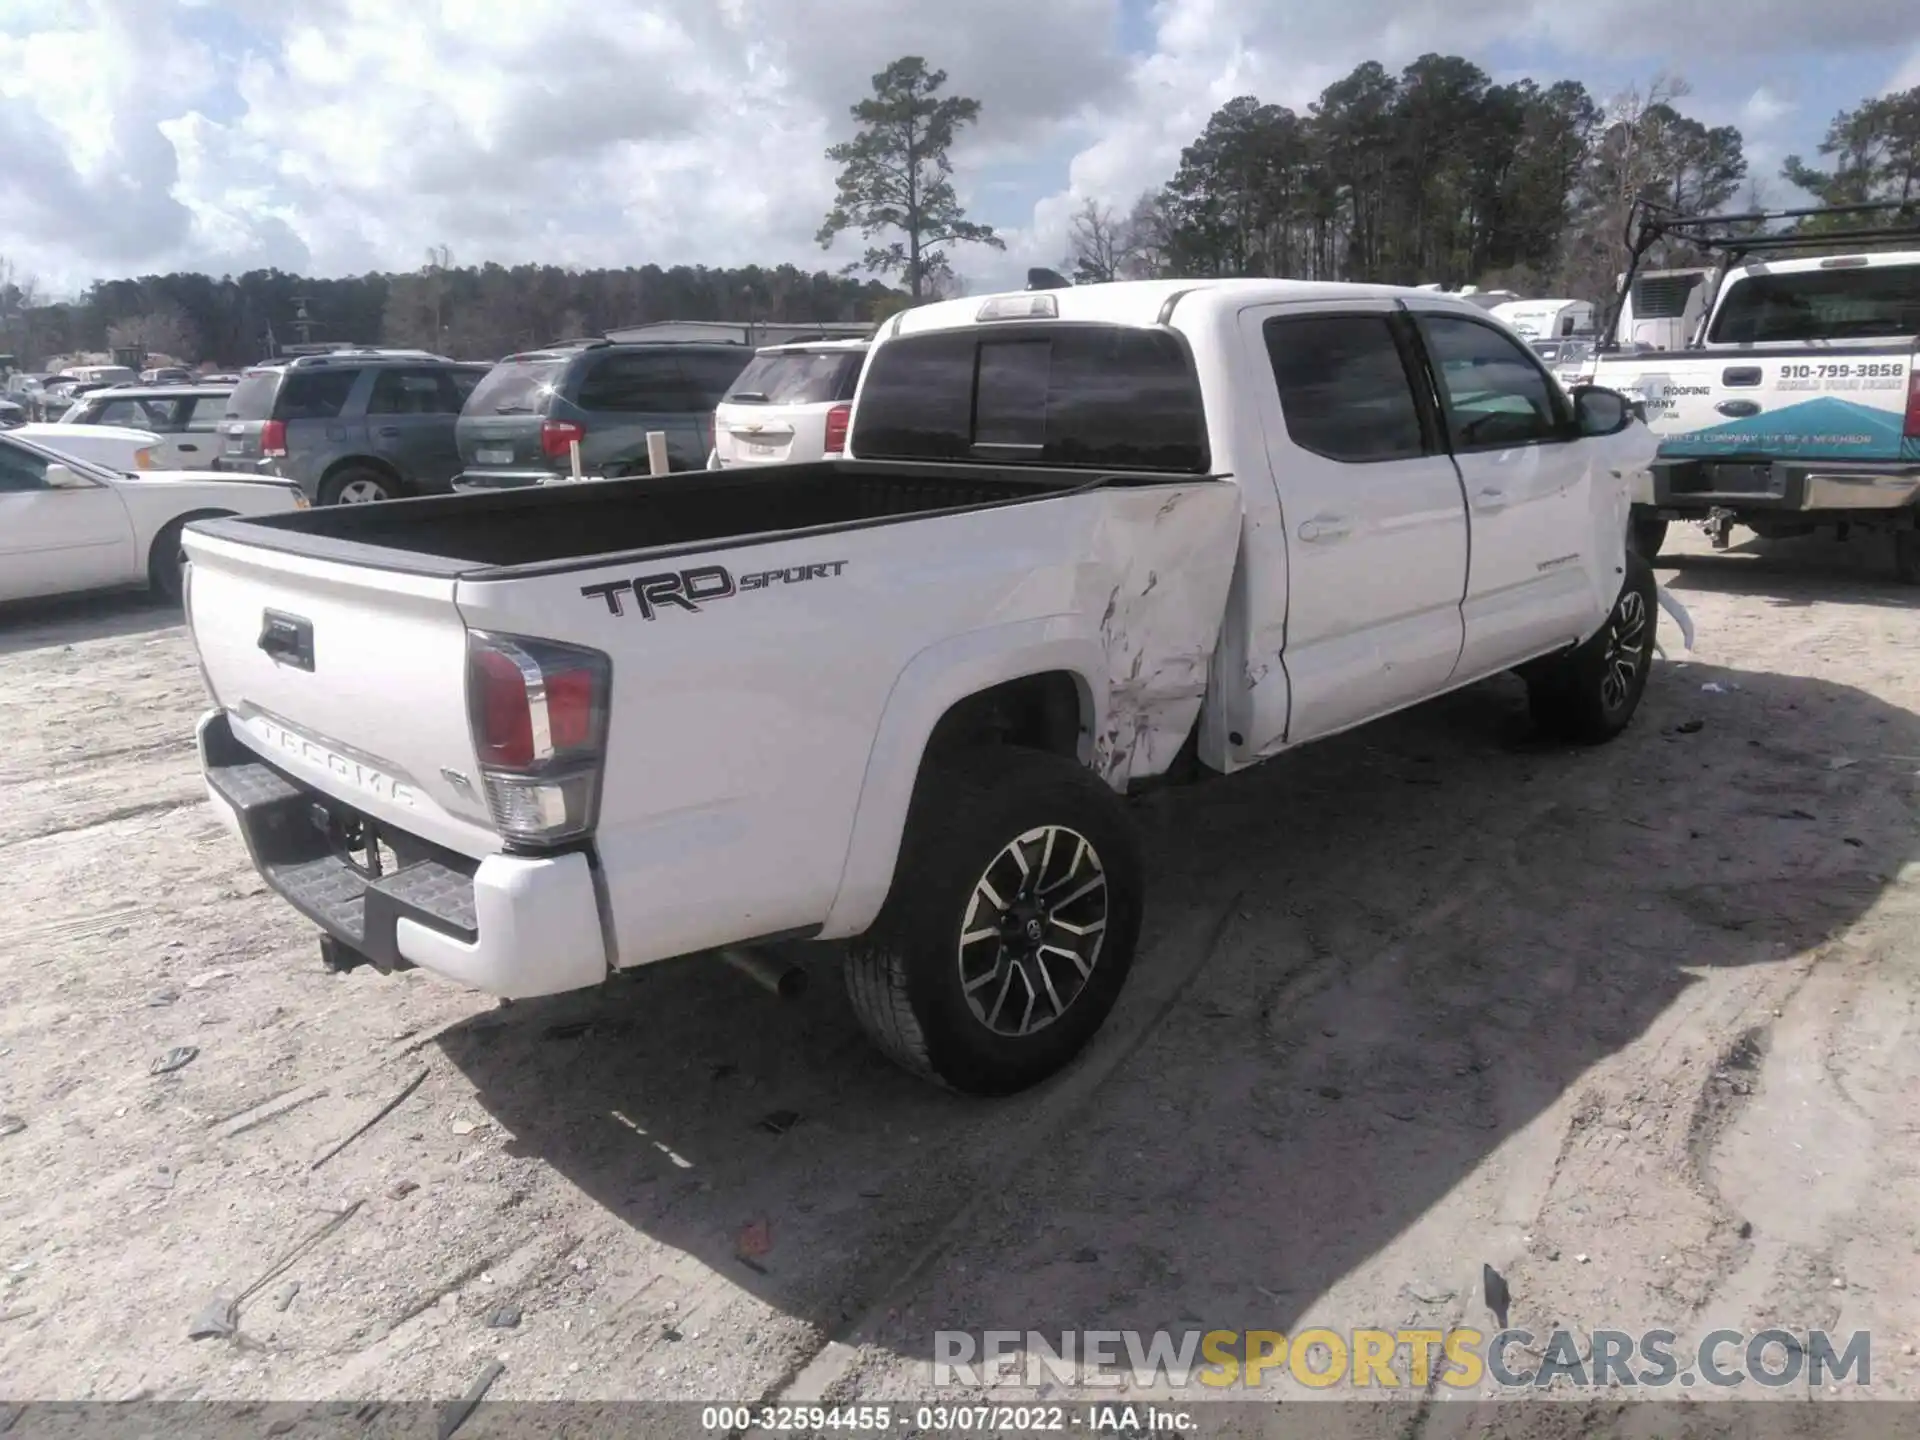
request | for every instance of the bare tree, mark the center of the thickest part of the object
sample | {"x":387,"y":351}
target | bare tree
{"x":19,"y":295}
{"x":163,"y":330}
{"x":1149,"y":239}
{"x":1102,"y":244}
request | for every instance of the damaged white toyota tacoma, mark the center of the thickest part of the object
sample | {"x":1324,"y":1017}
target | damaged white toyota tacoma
{"x":1084,"y":538}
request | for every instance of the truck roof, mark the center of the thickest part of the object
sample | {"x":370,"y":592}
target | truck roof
{"x":1867,"y":260}
{"x":1141,"y":302}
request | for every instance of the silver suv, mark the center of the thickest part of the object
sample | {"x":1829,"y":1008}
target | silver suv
{"x":350,"y":426}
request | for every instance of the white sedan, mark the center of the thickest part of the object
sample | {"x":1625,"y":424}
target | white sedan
{"x":69,"y":524}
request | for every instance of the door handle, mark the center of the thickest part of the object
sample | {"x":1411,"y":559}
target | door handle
{"x":1489,"y":497}
{"x":188,"y":449}
{"x":1324,"y":527}
{"x":390,"y":432}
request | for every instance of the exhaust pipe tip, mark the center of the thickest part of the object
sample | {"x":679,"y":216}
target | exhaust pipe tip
{"x":788,"y":982}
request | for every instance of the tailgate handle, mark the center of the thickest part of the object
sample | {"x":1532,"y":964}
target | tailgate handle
{"x":1740,"y":375}
{"x":287,"y":638}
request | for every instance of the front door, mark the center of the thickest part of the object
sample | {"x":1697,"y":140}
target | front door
{"x":1529,"y":495}
{"x":53,"y":542}
{"x":1374,"y":526}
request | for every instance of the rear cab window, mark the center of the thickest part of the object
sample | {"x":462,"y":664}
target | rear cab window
{"x":1095,"y":396}
{"x":1856,"y":302}
{"x":1344,"y":387}
{"x":796,"y":378}
{"x":515,"y":387}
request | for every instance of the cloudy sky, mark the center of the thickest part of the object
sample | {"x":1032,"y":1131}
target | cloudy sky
{"x":338,"y":136}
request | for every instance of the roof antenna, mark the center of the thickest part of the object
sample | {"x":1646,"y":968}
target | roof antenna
{"x":1041,"y":278}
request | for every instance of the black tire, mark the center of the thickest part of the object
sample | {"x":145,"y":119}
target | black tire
{"x":1648,"y":533}
{"x":1906,"y":556}
{"x":350,"y":484}
{"x":908,"y":976}
{"x":167,"y":563}
{"x":1589,"y":695}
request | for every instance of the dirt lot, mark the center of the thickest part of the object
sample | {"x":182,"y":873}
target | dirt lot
{"x":1634,"y":1026}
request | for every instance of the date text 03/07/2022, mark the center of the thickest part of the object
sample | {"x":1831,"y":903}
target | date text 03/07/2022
{"x":807,"y":1420}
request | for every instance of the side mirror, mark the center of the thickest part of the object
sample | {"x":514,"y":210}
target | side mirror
{"x":65,"y":477}
{"x":1600,"y":411}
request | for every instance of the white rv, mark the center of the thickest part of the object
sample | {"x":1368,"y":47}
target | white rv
{"x":1546,"y":319}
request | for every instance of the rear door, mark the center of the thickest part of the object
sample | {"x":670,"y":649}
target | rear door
{"x":309,"y":658}
{"x":776,"y":409}
{"x":195,"y":439}
{"x":1375,"y":527}
{"x":1528,"y":479}
{"x":411,"y":416}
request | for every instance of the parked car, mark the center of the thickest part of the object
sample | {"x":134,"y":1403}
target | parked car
{"x":117,"y":447}
{"x":519,"y":425}
{"x":167,"y":375}
{"x":69,"y":524}
{"x":792,"y":402}
{"x":12,"y":413}
{"x":187,"y":419}
{"x":1084,"y":539}
{"x":351,"y":426}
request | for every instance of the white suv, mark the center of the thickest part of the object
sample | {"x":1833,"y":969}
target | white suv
{"x":791,"y":403}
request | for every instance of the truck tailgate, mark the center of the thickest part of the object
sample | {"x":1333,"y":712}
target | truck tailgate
{"x":350,"y":679}
{"x":1807,"y":404}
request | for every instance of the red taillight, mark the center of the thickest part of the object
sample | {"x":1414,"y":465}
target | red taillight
{"x":1913,"y":402}
{"x":273,"y":439}
{"x":557,"y":436}
{"x":838,"y":418}
{"x":539,"y":716}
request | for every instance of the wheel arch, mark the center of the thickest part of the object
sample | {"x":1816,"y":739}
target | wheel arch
{"x":362,"y":462}
{"x":1027,"y":686}
{"x":170,"y":533}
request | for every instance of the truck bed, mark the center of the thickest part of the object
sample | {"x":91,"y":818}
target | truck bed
{"x":560,"y":526}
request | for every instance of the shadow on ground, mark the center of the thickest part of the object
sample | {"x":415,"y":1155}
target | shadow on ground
{"x":71,"y":619}
{"x":1432,"y":927}
{"x":1798,"y":571}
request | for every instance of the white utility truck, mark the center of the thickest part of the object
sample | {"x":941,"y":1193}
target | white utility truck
{"x":1084,"y":538}
{"x":1797,"y":405}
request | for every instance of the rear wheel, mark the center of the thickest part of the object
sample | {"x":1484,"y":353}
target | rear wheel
{"x":1648,"y":533}
{"x":1589,"y":695}
{"x":358,"y":485}
{"x":1011,"y":925}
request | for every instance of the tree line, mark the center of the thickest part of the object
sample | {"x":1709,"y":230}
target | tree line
{"x":1437,"y":174}
{"x":1433,"y":174}
{"x":468,"y":311}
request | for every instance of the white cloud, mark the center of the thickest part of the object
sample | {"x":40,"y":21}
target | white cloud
{"x":340,"y":135}
{"x":1908,"y":75}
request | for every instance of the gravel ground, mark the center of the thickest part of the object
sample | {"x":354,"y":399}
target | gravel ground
{"x":1634,"y":1026}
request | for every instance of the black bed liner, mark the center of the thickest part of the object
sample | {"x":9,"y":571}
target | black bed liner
{"x":544,"y":529}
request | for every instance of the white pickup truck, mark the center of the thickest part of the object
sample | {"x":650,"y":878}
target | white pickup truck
{"x":1797,"y":405}
{"x":1088,"y":537}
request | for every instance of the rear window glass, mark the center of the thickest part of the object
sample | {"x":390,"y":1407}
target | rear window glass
{"x":314,"y":394}
{"x":796,"y":379}
{"x":515,"y":387}
{"x":1864,"y":302}
{"x":252,"y":398}
{"x":1098,"y":396}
